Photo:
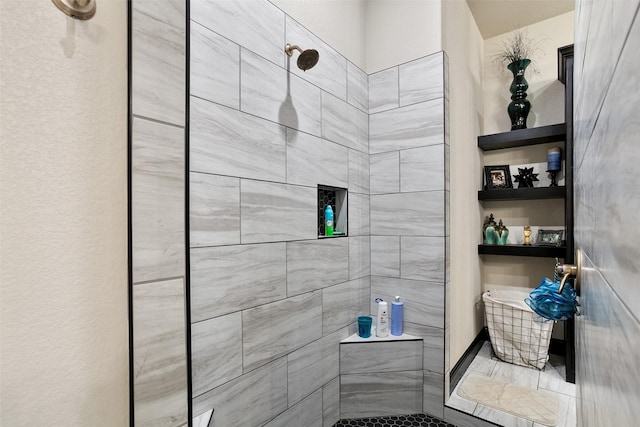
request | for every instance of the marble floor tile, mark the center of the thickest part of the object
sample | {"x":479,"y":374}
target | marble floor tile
{"x":500,"y":418}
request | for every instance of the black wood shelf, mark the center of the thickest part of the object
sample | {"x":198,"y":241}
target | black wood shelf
{"x":522,"y":250}
{"x":523,"y":137}
{"x":523,"y":193}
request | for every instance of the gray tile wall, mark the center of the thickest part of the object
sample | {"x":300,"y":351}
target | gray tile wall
{"x":263,"y":135}
{"x":606,"y":128}
{"x":408,"y":205}
{"x":158,"y":39}
{"x":270,"y":302}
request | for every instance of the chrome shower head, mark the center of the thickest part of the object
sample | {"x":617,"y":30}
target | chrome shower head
{"x":307,"y":59}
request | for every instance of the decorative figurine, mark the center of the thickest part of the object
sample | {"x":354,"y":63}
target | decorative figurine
{"x":489,"y":230}
{"x":502,"y":232}
{"x":527,"y":235}
{"x":526,"y":177}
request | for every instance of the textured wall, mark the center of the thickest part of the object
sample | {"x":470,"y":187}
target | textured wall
{"x":270,"y":302}
{"x":158,"y":40}
{"x":64,"y":335}
{"x":409,"y":189}
{"x":606,"y":130}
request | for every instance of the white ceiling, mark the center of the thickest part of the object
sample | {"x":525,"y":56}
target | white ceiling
{"x":495,"y":17}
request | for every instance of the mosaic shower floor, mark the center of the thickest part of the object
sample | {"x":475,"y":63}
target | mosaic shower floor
{"x":420,"y":420}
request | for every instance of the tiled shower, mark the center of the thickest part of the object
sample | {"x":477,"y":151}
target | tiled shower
{"x":270,"y":302}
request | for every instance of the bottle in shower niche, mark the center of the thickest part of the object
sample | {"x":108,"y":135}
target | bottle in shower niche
{"x":397,"y":316}
{"x":328,"y":221}
{"x":382,"y":320}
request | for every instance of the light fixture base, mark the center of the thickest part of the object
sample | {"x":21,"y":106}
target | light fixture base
{"x":78,"y":9}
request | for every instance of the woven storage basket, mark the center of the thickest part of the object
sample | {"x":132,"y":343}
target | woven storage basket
{"x":518,"y":335}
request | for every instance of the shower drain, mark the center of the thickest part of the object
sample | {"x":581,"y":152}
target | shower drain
{"x":419,"y":420}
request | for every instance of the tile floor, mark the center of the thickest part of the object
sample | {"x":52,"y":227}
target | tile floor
{"x":418,"y":420}
{"x":550,"y":380}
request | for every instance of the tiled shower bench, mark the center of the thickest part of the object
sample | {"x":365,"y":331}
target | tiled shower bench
{"x":380,"y":376}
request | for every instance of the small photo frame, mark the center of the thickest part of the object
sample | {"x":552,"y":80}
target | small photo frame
{"x":549,"y":237}
{"x":497,"y":177}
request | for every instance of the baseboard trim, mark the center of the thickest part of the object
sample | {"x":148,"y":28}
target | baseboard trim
{"x":461,"y":366}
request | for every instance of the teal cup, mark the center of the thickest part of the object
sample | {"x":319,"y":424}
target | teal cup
{"x":364,"y":326}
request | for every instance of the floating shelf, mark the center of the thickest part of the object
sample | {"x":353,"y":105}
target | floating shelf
{"x":522,"y":250}
{"x":523,"y":137}
{"x":523,"y":193}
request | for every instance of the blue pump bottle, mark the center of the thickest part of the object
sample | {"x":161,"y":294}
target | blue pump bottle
{"x":397,"y":316}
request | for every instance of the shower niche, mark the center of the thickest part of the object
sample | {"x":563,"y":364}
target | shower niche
{"x":337,"y":198}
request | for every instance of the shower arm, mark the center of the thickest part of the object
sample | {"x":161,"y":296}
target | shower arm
{"x":289,"y":49}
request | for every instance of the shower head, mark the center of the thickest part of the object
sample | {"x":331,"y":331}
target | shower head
{"x":307,"y":59}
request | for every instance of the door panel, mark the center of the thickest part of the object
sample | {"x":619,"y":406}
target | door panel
{"x":607,"y":209}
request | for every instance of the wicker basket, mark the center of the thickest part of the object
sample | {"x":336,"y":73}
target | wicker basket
{"x":518,"y":335}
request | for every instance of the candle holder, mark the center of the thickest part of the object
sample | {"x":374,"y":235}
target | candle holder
{"x":554,"y":156}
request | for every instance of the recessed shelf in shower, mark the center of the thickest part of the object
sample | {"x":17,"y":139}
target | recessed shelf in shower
{"x":338,"y":199}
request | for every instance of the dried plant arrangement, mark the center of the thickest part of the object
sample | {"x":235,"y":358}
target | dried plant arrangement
{"x":519,"y":45}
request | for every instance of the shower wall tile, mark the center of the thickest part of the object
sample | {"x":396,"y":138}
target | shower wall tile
{"x":385,"y":172}
{"x":289,"y":100}
{"x":344,"y":124}
{"x":158,"y":201}
{"x":276,"y":212}
{"x":159,"y":358}
{"x":274,"y":330}
{"x":358,"y":215}
{"x":421,"y":80}
{"x":214,"y":210}
{"x":312,"y":161}
{"x":314,"y":365}
{"x":216,"y":352}
{"x":342,"y":304}
{"x":422,"y":169}
{"x":423,"y":301}
{"x":358,"y":172}
{"x":330,"y":73}
{"x":383,"y":90}
{"x":433,"y":394}
{"x":392,"y":356}
{"x":307,"y":413}
{"x":385,"y":256}
{"x":224,"y":141}
{"x":407,"y":127}
{"x":434,"y":345}
{"x":422,"y":258}
{"x":417,"y":214}
{"x":359,"y":257}
{"x":158,"y":42}
{"x":265,"y":388}
{"x":357,"y":87}
{"x":316,"y":264}
{"x":380,"y":394}
{"x":214,"y":67}
{"x":230,"y":278}
{"x":331,"y":403}
{"x":252,"y":23}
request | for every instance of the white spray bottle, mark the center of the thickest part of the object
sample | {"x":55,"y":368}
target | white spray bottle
{"x":382,"y":319}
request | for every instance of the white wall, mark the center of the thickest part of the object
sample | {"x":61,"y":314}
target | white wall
{"x":464,"y":46}
{"x":545,"y":92}
{"x":340,"y":23}
{"x":64,"y":216}
{"x":373,"y":34}
{"x":401,"y":30}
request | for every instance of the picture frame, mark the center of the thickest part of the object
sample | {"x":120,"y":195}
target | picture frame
{"x":497,"y":177}
{"x":549,"y":237}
